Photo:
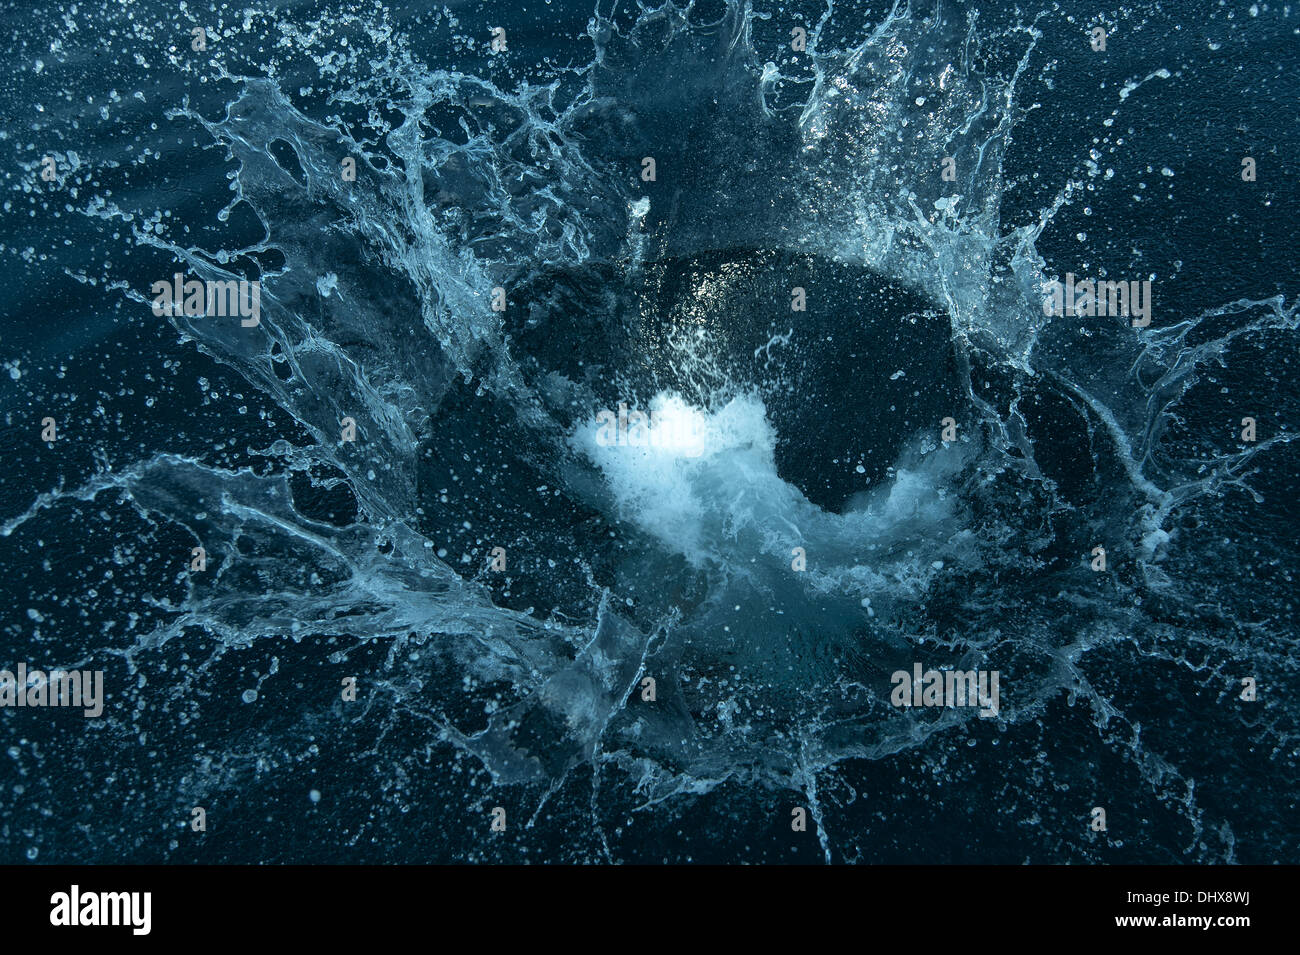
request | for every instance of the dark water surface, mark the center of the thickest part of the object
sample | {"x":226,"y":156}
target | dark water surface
{"x":889,"y":456}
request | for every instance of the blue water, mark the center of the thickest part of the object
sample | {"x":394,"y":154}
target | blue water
{"x":818,"y":434}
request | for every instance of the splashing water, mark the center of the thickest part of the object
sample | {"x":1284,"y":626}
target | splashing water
{"x":786,"y":437}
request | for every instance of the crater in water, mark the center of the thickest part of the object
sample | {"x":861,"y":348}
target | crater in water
{"x":848,"y":364}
